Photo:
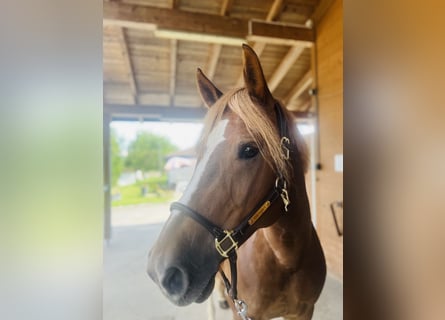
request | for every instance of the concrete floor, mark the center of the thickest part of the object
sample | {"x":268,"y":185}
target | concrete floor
{"x":129,"y":294}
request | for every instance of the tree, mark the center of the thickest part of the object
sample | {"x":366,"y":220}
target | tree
{"x":148,"y":151}
{"x":117,"y":163}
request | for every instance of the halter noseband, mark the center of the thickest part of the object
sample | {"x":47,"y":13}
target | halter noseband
{"x":228,"y":241}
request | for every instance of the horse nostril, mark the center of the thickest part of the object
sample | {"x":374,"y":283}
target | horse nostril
{"x":175,"y":281}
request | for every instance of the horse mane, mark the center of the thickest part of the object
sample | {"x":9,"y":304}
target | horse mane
{"x":265,"y":136}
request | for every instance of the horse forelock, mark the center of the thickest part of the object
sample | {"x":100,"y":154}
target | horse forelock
{"x":265,"y":135}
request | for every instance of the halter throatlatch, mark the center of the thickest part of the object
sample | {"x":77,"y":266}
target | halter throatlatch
{"x":228,"y":241}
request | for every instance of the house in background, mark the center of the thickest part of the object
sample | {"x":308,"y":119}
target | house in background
{"x":179,"y":168}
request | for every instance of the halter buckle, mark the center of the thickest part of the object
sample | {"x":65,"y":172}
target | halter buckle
{"x":226,"y":244}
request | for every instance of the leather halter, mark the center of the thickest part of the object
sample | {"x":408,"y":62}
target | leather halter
{"x":228,"y":241}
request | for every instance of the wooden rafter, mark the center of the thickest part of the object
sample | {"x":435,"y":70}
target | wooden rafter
{"x":292,"y":55}
{"x":214,"y":53}
{"x":185,"y":25}
{"x":279,"y":33}
{"x":306,"y":106}
{"x":174,"y":4}
{"x":173,"y":61}
{"x":259,"y":47}
{"x":303,"y":107}
{"x":302,"y":114}
{"x":128,"y":63}
{"x":163,"y":99}
{"x":302,"y":85}
{"x":173,"y":54}
{"x":320,"y":10}
{"x":275,"y":10}
{"x":215,"y":50}
{"x":226,"y":7}
{"x":125,"y":112}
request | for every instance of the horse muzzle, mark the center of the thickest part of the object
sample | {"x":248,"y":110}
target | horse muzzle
{"x":183,"y":262}
{"x":179,"y":285}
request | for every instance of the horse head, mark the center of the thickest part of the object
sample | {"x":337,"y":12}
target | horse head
{"x":239,"y":158}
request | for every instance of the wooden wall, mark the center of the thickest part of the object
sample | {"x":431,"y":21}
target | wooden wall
{"x":329,"y":51}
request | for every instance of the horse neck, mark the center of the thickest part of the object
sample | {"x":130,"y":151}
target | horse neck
{"x":293,"y":232}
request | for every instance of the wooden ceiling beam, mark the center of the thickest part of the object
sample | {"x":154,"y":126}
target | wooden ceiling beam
{"x":258,"y":47}
{"x":302,"y":114}
{"x":184,"y":25}
{"x":302,"y":85}
{"x":280,"y":72}
{"x":320,"y":11}
{"x":128,"y":63}
{"x":306,"y":106}
{"x":226,"y":7}
{"x":275,"y":10}
{"x":292,"y":55}
{"x":302,"y":107}
{"x":173,"y":54}
{"x":173,"y":62}
{"x":215,"y":51}
{"x":279,"y":33}
{"x":138,"y":112}
{"x":174,"y":4}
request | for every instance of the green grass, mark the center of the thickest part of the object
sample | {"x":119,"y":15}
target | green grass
{"x":130,"y":195}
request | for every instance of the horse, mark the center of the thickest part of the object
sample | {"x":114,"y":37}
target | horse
{"x":245,"y":211}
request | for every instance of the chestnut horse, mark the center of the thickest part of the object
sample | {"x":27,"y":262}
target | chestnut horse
{"x":245,"y":210}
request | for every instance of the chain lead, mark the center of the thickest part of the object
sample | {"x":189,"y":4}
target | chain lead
{"x":241,"y":309}
{"x":285,"y":197}
{"x":285,"y":142}
{"x":282,"y":186}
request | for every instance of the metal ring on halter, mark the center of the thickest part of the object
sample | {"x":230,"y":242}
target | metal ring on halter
{"x":277,"y":183}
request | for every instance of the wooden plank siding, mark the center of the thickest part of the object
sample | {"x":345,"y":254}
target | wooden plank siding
{"x":329,"y":48}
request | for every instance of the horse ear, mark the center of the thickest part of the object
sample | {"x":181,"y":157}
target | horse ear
{"x":209,"y":93}
{"x":253,"y":76}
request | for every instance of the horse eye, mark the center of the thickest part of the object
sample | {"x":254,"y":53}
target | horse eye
{"x":247,"y":151}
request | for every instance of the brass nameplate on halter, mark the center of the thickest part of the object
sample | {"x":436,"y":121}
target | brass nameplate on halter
{"x":226,"y":244}
{"x":259,"y":212}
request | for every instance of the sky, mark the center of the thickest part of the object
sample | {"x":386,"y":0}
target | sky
{"x":183,"y":134}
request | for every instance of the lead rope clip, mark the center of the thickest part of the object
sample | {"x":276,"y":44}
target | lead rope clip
{"x":285,"y":198}
{"x":283,"y":192}
{"x":285,"y":142}
{"x":241,"y":309}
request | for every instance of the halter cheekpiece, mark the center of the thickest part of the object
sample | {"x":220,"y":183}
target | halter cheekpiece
{"x":228,"y":241}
